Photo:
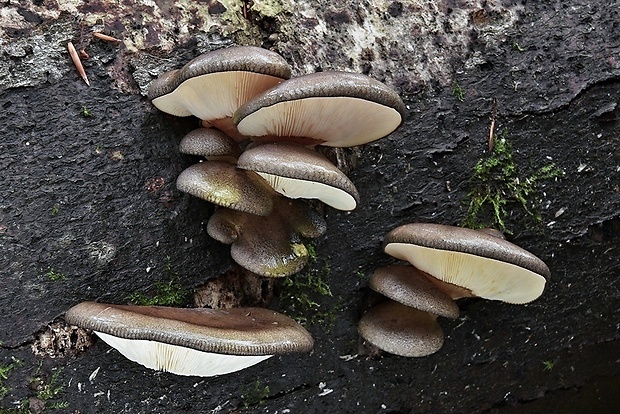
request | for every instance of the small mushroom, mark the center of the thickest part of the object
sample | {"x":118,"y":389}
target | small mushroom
{"x":300,"y":172}
{"x":223,"y":184}
{"x":485,"y":265}
{"x":202,"y":342}
{"x":337,"y":109}
{"x":409,"y":286}
{"x":211,"y":144}
{"x":212,"y":86}
{"x":401,"y":330}
{"x":269,"y":246}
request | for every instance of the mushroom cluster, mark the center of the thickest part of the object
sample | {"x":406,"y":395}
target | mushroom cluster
{"x":259,"y":130}
{"x":199,"y":341}
{"x":445,"y":263}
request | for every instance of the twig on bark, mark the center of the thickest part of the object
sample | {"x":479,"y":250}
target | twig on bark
{"x":77,"y":62}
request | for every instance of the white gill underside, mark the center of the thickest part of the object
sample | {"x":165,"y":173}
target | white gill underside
{"x":339,"y":121}
{"x":215,"y":95}
{"x":179,"y":360}
{"x":295,"y":188}
{"x":486,"y":278}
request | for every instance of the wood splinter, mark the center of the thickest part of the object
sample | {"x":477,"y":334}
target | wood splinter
{"x":77,"y":62}
{"x":105,"y":37}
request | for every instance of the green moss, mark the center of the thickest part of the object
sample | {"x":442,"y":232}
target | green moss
{"x":549,"y":364}
{"x":458,"y":92}
{"x":4,"y":375}
{"x":55,"y":276}
{"x":496,"y":187}
{"x":302,"y":294}
{"x":165,"y":293}
{"x":271,"y":8}
{"x":86,"y":113}
{"x":255,"y":394}
{"x":47,"y":393}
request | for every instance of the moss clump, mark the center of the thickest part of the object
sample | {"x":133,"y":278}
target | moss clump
{"x":166,"y":293}
{"x":255,"y":394}
{"x":496,"y":186}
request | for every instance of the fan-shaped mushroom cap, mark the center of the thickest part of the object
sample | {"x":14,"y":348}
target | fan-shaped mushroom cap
{"x":269,"y":246}
{"x":204,"y":342}
{"x":409,"y":286}
{"x":211,"y":144}
{"x":401,"y":330}
{"x":223,"y":184}
{"x":488,"y":266}
{"x":337,"y":109}
{"x":212,"y":86}
{"x":300,"y":172}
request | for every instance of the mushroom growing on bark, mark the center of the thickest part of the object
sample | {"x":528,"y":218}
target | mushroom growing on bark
{"x":300,"y":172}
{"x":211,"y":144}
{"x":221,"y":183}
{"x":202,"y":342}
{"x":401,"y":330}
{"x":212,"y":86}
{"x":337,"y":109}
{"x":484,"y":265}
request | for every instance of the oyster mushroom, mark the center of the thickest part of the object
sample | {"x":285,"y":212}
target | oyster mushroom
{"x":223,"y":184}
{"x":337,"y":109}
{"x":202,"y":342}
{"x":299,"y":172}
{"x":212,"y":86}
{"x":211,"y":144}
{"x":484,"y":265}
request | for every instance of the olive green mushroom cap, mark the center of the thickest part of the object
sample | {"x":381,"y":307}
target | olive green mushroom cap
{"x":213,"y":85}
{"x":409,"y":286}
{"x":486,"y":265}
{"x":300,"y":172}
{"x":223,"y":184}
{"x":198,"y":341}
{"x":401,"y":330}
{"x":211,"y":144}
{"x":270,"y":246}
{"x":337,"y":109}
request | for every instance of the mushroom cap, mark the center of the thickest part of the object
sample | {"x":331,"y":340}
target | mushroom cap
{"x":189,"y":341}
{"x":488,"y":266}
{"x":223,"y":184}
{"x":213,"y":85}
{"x":401,"y":330}
{"x":337,"y":109}
{"x":211,"y":144}
{"x":409,"y":286}
{"x":300,"y":172}
{"x":269,"y":246}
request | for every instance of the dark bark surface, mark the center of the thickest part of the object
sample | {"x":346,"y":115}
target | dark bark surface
{"x":92,"y":200}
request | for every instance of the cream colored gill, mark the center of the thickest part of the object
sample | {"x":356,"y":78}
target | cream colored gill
{"x":214,"y":95}
{"x":179,"y":360}
{"x":296,"y":188}
{"x":486,"y":278}
{"x":339,"y":121}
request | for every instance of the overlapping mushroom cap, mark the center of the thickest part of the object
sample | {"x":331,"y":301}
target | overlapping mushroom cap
{"x":270,"y":246}
{"x":221,"y":183}
{"x":203,"y":342}
{"x":212,"y":86}
{"x":401,"y":330}
{"x":212,"y":144}
{"x":337,"y":109}
{"x":300,"y":172}
{"x":486,"y":265}
{"x":409,"y":286}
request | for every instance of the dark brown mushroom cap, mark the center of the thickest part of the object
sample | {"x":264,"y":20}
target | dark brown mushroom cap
{"x":214,"y":85}
{"x":300,"y":172}
{"x":210,"y":144}
{"x":409,"y":286}
{"x":239,"y":331}
{"x":488,"y":266}
{"x":223,"y":184}
{"x":401,"y":330}
{"x":330,"y":108}
{"x":269,"y":246}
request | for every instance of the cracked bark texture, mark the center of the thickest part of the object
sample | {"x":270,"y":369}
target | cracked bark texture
{"x":93,"y":197}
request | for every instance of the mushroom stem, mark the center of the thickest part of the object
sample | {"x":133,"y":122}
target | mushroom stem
{"x":227,"y":126}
